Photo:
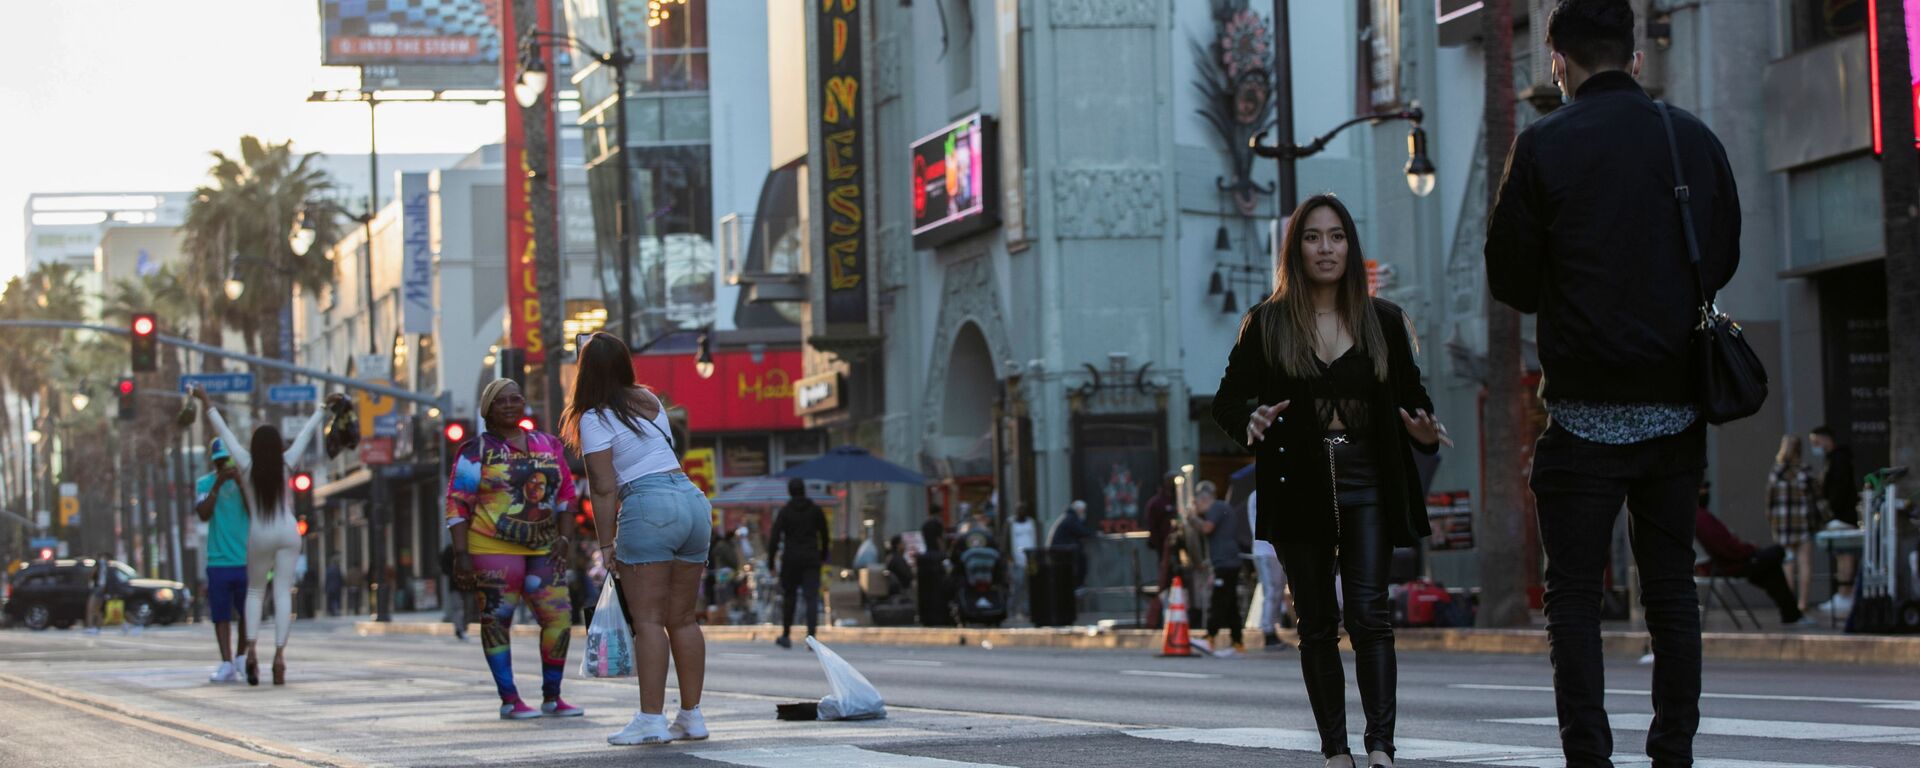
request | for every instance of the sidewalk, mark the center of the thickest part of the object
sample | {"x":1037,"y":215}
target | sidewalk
{"x":1816,"y":646}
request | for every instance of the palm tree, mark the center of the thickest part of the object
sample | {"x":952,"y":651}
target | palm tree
{"x":28,"y":370}
{"x":238,"y":226}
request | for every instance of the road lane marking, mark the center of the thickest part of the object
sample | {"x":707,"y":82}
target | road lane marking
{"x":838,"y":756}
{"x":255,"y":751}
{"x":742,"y":655}
{"x":1874,"y":703}
{"x":1511,"y":755}
{"x":1765,"y":729}
{"x":914,"y":662}
{"x":1176,"y":675}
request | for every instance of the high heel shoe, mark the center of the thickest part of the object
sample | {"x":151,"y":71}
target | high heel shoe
{"x":279,"y":669}
{"x":253,"y":665}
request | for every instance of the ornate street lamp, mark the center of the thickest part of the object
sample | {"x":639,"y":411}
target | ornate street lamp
{"x":1420,"y":170}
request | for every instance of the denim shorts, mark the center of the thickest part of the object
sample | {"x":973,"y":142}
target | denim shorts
{"x":663,"y":517}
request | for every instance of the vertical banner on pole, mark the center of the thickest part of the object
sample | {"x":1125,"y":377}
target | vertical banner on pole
{"x":523,"y":296}
{"x":416,"y":294}
{"x":843,"y":143}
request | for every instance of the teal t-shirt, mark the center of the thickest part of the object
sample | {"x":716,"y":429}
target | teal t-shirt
{"x":227,"y":531}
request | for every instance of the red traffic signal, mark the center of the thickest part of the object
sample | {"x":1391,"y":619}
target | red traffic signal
{"x":526,"y":423}
{"x":145,"y":354}
{"x":143,"y":325}
{"x":46,"y":553}
{"x":301,"y":525}
{"x":456,"y":431}
{"x":302,"y":482}
{"x":126,"y":387}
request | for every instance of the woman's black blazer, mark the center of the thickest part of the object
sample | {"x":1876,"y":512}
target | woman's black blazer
{"x":1293,"y":477}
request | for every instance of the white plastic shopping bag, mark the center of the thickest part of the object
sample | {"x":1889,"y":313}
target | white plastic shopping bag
{"x":853,"y":698}
{"x":609,"y":651}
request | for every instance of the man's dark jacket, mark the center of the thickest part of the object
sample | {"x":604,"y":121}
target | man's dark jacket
{"x":1586,"y":232}
{"x":799,"y":536}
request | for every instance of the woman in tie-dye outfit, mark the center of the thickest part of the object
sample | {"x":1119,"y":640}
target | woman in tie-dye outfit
{"x":504,"y":511}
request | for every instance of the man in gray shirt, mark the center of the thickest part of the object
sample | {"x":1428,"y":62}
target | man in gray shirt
{"x":1227,"y":537}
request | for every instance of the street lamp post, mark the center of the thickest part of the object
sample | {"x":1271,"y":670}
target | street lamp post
{"x":1420,"y":170}
{"x":533,"y":81}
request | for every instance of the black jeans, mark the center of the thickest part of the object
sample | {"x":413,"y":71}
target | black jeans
{"x":1224,"y":609}
{"x":1580,"y":486}
{"x":1364,"y":553}
{"x":799,"y":580}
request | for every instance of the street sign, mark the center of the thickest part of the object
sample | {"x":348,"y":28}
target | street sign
{"x":42,"y":542}
{"x":372,"y":406}
{"x":292,"y":393}
{"x":376,"y":451}
{"x":218,"y":383}
{"x":388,"y":425}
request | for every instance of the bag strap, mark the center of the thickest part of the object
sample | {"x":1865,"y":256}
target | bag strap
{"x":1683,"y":195}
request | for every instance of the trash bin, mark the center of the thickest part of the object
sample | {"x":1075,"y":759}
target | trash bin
{"x":1051,"y":594}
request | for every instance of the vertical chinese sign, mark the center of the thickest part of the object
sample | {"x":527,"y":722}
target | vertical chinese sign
{"x":523,"y":295}
{"x":843,"y":149}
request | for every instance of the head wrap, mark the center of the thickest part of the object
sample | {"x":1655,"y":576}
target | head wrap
{"x":488,"y":394}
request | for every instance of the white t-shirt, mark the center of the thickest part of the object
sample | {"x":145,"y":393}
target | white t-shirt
{"x":636,"y":454}
{"x":1261,"y":547}
{"x":1025,"y":536}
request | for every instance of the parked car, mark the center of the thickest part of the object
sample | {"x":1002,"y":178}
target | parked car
{"x":53,"y":593}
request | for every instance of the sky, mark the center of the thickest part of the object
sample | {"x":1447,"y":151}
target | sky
{"x":131,"y":95}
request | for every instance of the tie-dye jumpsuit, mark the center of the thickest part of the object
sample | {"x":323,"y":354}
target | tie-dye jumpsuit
{"x":502,"y":493}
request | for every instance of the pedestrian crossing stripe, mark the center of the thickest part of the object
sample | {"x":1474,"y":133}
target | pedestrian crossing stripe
{"x":1857,"y":733}
{"x":1514,"y":756}
{"x":837,"y":756}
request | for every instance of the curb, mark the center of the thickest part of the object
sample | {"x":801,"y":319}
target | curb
{"x":1718,"y":646}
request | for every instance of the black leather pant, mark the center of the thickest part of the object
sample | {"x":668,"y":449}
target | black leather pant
{"x":1363,"y":556}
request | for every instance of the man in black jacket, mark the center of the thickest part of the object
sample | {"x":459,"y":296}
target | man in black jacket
{"x":800,"y":528}
{"x":1587,"y":233}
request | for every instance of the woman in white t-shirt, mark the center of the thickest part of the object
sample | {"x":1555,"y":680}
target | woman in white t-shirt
{"x":656,"y":527}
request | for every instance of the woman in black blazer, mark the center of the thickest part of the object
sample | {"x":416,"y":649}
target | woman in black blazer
{"x":1323,"y":387}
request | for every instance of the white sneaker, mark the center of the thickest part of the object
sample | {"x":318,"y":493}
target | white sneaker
{"x":689,"y":725}
{"x":644,"y":729}
{"x":225,"y":673}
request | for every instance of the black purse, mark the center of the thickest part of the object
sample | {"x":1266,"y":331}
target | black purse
{"x":1729,"y":382}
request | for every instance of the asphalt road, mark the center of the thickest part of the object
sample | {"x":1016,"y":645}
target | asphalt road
{"x":68,"y":699}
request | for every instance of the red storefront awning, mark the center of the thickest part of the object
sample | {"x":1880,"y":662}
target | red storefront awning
{"x":742,"y":396}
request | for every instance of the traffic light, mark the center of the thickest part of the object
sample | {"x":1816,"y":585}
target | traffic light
{"x":127,"y":410}
{"x":527,"y":423}
{"x":301,"y":526}
{"x":302,"y":484}
{"x":144,"y":341}
{"x":46,"y":553}
{"x":511,"y":363}
{"x":457,"y":431}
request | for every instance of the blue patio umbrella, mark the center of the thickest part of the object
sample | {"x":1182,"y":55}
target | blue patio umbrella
{"x":767,"y":492}
{"x":853,"y":464}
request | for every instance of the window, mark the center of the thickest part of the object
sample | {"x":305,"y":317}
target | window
{"x":1817,"y":21}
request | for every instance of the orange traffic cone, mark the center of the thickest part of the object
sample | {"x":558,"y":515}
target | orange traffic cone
{"x":1175,"y":642}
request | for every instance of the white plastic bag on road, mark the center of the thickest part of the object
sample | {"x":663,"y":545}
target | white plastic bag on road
{"x":609,"y":651}
{"x":853,"y":698}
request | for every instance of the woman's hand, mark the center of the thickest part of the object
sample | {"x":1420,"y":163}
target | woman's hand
{"x":463,"y":576}
{"x":1424,"y":428}
{"x":1263,"y":417}
{"x":200,"y":393}
{"x":561,"y":553}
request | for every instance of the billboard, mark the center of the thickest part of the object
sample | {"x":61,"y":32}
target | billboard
{"x":1910,"y":18}
{"x":953,"y":179}
{"x":402,"y":44}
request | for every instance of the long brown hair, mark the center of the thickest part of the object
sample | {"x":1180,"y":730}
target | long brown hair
{"x":1286,"y":316}
{"x":605,"y":380}
{"x":269,"y":471}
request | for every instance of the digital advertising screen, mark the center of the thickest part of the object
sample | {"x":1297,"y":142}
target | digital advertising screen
{"x":953,"y":182}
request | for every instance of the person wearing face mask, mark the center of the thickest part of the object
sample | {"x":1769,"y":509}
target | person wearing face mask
{"x":1323,"y":387}
{"x":1587,"y":233}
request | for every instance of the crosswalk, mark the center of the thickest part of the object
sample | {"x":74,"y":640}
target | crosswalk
{"x":1283,"y":740}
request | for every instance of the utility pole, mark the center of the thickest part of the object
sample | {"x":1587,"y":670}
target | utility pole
{"x":623,"y":219}
{"x":1504,"y":497}
{"x":545,"y":183}
{"x":1900,"y":199}
{"x":1288,"y":185}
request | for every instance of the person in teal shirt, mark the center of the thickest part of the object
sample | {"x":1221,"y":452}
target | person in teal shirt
{"x":219,"y":503}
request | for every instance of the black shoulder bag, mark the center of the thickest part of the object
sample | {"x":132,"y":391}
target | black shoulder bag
{"x":1728,"y":381}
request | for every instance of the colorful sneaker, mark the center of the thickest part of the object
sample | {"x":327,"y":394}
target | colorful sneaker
{"x":225,"y":673}
{"x":689,"y":725}
{"x":644,"y":729}
{"x":558,"y":707}
{"x":517,"y":710}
